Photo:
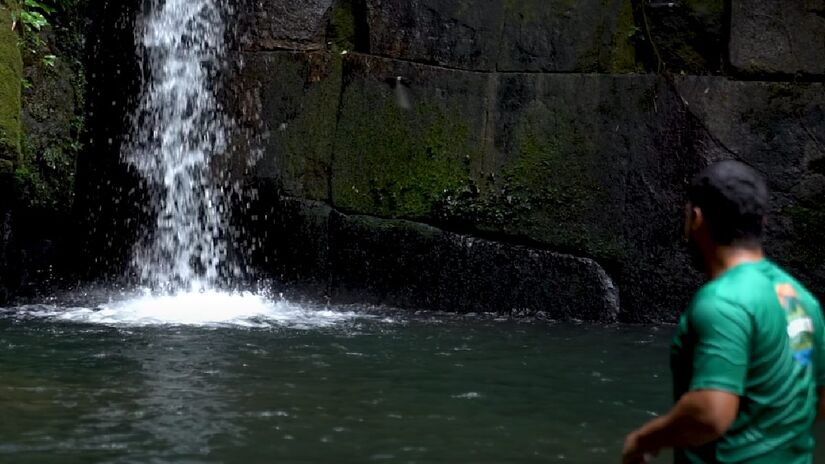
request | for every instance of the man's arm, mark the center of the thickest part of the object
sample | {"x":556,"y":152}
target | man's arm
{"x":720,"y":363}
{"x":699,"y":417}
{"x":820,"y":405}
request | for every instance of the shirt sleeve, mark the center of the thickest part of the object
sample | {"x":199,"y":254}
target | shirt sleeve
{"x":722,"y":346}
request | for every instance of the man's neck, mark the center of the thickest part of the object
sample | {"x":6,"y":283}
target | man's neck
{"x":728,"y":257}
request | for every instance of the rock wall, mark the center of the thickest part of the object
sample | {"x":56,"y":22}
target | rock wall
{"x":11,"y":73}
{"x":41,"y":120}
{"x":566,"y":129}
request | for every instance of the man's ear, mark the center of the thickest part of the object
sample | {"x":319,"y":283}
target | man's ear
{"x":697,"y":218}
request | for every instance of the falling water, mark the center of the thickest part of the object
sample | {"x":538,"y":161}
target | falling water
{"x":178,"y":128}
{"x":179,"y":132}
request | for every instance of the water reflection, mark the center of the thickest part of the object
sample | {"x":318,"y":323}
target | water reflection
{"x":180,"y":403}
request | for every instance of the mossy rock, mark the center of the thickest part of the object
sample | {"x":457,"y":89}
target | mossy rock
{"x":403,"y":146}
{"x":11,"y":74}
{"x":293,"y":99}
{"x":53,"y":121}
{"x":341,"y":33}
{"x":568,"y":36}
{"x":6,"y":168}
{"x":461,"y":34}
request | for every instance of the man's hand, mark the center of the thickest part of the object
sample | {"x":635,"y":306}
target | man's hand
{"x":632,"y":453}
{"x":698,"y":418}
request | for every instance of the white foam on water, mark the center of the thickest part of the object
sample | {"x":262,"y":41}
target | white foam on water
{"x":197,"y":309}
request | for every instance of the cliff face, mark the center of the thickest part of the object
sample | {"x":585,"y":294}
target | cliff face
{"x":41,"y":120}
{"x":11,"y":73}
{"x":563,"y":126}
{"x":487,"y":155}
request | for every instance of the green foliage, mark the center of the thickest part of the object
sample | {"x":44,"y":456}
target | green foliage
{"x":47,"y":34}
{"x":31,"y":14}
{"x":34,"y":14}
{"x":35,"y":17}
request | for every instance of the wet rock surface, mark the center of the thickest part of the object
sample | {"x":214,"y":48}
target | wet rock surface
{"x":279,"y":25}
{"x":772,"y":37}
{"x":543,"y":142}
{"x":582,"y":164}
{"x":287,"y":102}
{"x":564,"y":36}
{"x":779,"y":128}
{"x":363,"y":259}
{"x":406,"y":134}
{"x":460,"y":34}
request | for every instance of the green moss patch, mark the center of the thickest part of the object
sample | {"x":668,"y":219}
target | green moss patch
{"x":394,"y":162}
{"x":341,"y":32}
{"x":11,"y":72}
{"x":52,"y":118}
{"x":553,"y":184}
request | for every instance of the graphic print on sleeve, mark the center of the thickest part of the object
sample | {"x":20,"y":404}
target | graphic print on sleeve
{"x":800,"y":325}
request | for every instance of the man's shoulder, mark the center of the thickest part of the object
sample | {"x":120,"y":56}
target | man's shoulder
{"x":804,"y":295}
{"x":747,"y":286}
{"x":717,"y":300}
{"x":746,"y":291}
{"x":731,"y":290}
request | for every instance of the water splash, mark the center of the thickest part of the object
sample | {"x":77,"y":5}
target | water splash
{"x":178,"y":128}
{"x":201,"y":309}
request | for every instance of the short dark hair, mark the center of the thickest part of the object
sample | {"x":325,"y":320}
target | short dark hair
{"x":733,"y":198}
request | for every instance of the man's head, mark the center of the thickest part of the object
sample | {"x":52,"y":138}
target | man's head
{"x":727,"y":204}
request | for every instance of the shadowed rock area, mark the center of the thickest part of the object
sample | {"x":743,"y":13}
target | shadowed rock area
{"x":771,"y":37}
{"x":277,"y":25}
{"x":363,"y":259}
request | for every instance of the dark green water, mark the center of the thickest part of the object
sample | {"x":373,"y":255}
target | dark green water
{"x":398,"y":389}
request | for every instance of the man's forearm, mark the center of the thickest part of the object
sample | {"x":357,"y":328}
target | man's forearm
{"x":687,"y":425}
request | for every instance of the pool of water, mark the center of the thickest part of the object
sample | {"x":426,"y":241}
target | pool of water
{"x":121,"y":383}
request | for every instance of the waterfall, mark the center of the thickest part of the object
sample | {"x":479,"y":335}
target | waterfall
{"x":179,"y":127}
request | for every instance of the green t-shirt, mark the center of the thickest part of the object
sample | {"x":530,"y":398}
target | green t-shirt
{"x":756,"y":332}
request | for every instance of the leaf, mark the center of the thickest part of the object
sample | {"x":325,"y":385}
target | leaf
{"x":49,"y":60}
{"x":33,"y":20}
{"x":39,"y":5}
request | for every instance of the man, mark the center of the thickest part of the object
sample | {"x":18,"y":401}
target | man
{"x":749,"y":353}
